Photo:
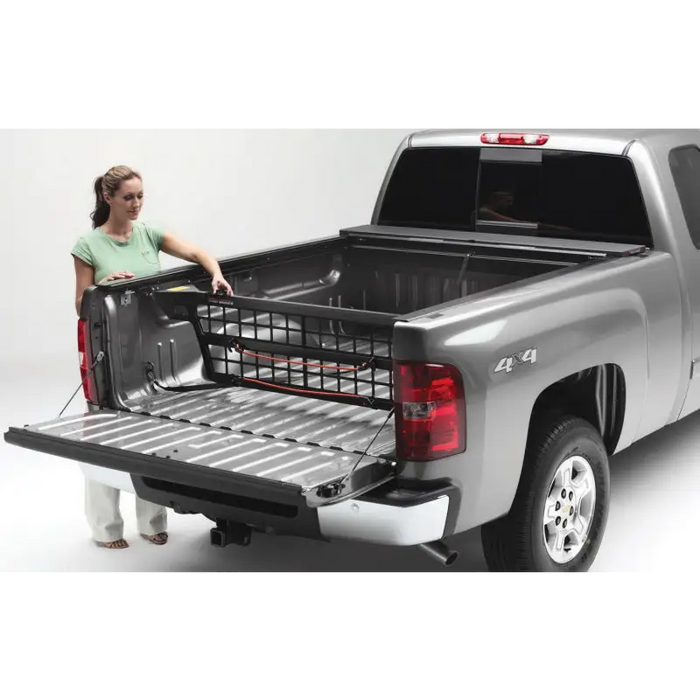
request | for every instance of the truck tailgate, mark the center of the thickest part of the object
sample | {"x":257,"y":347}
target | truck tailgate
{"x":228,"y":434}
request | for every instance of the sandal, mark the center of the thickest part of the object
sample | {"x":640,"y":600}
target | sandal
{"x":160,"y":538}
{"x":116,"y":544}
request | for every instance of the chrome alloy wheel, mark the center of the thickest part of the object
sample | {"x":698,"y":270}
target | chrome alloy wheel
{"x":568,"y":510}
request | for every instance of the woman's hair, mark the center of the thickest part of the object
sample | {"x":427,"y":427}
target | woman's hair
{"x":109,"y":183}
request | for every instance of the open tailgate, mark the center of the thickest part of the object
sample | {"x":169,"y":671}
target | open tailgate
{"x":210,"y":456}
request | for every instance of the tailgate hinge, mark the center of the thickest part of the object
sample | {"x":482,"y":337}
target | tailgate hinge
{"x":357,"y":482}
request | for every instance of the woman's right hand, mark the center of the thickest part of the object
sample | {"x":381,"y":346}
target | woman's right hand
{"x":119,"y":275}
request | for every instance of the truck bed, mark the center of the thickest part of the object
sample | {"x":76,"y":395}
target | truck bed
{"x":319,"y":318}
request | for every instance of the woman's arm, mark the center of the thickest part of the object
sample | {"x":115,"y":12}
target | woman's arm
{"x":172,"y":245}
{"x":84,"y":278}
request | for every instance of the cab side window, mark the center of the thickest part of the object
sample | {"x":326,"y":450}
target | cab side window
{"x":685,"y":167}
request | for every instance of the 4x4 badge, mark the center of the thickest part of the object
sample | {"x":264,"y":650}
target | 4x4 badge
{"x":507,"y":364}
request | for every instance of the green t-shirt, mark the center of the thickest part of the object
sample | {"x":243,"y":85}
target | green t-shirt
{"x":138,"y":255}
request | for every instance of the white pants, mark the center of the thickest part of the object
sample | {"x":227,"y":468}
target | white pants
{"x":104,"y":517}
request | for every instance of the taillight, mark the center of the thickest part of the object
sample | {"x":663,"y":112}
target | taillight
{"x":515,"y":139}
{"x":430,"y":411}
{"x":84,"y":359}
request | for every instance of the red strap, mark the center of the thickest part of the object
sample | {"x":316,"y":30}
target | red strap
{"x":297,"y":362}
{"x":304,"y":391}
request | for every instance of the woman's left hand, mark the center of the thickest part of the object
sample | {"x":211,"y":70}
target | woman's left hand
{"x":219,"y":283}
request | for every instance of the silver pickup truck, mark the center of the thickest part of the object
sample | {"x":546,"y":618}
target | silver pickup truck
{"x":522,"y":307}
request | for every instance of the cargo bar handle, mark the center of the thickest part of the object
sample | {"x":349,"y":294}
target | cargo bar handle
{"x":374,"y":318}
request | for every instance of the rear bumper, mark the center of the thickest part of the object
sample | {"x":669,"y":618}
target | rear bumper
{"x":385,"y":523}
{"x":408,"y":514}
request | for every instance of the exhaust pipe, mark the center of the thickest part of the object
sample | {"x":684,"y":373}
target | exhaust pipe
{"x":440,"y":551}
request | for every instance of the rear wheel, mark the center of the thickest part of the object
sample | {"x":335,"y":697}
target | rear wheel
{"x":561,"y":506}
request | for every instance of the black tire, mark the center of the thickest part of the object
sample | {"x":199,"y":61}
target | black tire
{"x":515,"y":542}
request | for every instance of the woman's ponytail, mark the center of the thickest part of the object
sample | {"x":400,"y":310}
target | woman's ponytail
{"x":101,"y":214}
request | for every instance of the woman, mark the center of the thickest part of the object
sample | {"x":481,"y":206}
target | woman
{"x":120,"y":247}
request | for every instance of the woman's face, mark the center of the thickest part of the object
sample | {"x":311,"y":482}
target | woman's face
{"x":126,"y":202}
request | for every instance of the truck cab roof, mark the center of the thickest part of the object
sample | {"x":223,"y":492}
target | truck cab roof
{"x":610,"y":141}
